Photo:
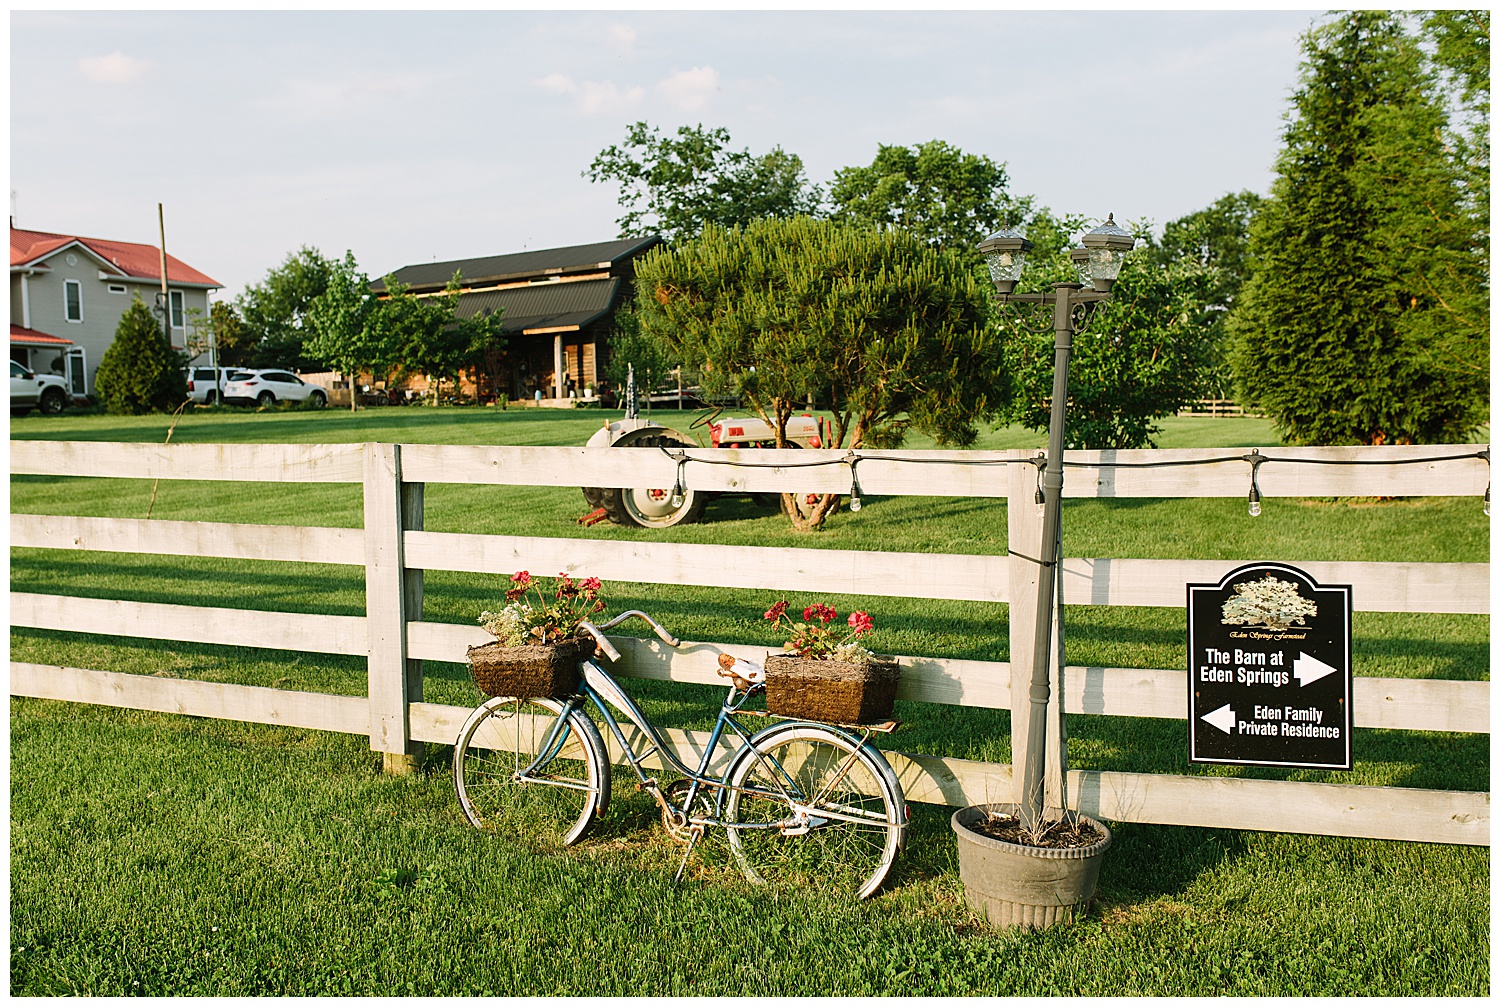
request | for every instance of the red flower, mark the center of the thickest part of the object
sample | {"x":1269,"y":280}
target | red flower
{"x":521,"y":580}
{"x":823,"y":613}
{"x":861,"y":623}
{"x":591,"y":586}
{"x":776,"y":611}
{"x":514,"y":593}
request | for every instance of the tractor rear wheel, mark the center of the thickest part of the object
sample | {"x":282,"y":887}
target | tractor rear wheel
{"x":649,"y":508}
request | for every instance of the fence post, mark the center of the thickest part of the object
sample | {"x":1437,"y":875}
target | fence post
{"x":1024,"y":537}
{"x":391,"y":597}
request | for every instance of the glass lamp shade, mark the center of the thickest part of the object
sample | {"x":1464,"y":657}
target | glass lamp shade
{"x":1005,"y":253}
{"x":1080,"y":257}
{"x":1107,"y":245}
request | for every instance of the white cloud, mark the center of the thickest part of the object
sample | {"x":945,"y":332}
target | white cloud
{"x":690,"y":90}
{"x":622,"y":38}
{"x":116,"y":68}
{"x":592,"y":96}
{"x":348,"y":95}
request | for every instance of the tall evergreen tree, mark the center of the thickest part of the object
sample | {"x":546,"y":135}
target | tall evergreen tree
{"x":889,"y":332}
{"x":141,"y":372}
{"x":1341,"y":335}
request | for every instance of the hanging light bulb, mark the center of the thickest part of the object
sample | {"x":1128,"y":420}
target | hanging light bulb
{"x":679,"y":491}
{"x":1255,"y":460}
{"x":854,"y":503}
{"x":1486,"y":501}
{"x":1041,"y":502}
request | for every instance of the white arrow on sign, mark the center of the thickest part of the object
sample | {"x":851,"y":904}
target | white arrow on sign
{"x":1222,"y":718}
{"x":1310,"y":669}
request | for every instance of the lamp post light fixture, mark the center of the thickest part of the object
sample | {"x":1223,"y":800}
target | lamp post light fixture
{"x":1072,"y":306}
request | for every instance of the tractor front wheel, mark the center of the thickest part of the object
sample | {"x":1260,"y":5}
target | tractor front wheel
{"x":649,"y":508}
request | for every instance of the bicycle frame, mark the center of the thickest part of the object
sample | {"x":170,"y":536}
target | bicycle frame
{"x":600,"y":689}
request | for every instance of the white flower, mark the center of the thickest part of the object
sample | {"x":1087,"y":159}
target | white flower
{"x":854,"y":653}
{"x":508,"y":625}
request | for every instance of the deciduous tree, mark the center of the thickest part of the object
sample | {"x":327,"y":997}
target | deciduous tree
{"x":421,"y":332}
{"x":275,"y":310}
{"x":945,"y":197}
{"x":675,"y":185}
{"x":346,"y":330}
{"x":1141,"y":357}
{"x":1218,"y":236}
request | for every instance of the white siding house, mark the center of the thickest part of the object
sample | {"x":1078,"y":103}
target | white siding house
{"x":67,"y":294}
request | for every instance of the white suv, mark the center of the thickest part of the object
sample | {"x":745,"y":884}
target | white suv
{"x":29,"y":390}
{"x":201,"y":385}
{"x":269,"y":387}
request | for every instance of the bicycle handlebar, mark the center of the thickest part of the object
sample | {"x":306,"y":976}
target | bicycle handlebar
{"x":597,"y":632}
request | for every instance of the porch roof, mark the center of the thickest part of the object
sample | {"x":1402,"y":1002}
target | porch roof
{"x":543,"y":306}
{"x":22,"y":336}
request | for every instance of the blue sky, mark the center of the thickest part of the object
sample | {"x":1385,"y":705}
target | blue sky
{"x":419,"y":137}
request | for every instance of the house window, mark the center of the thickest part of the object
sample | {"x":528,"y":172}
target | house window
{"x":177,"y":309}
{"x":117,"y":288}
{"x":73,"y":300}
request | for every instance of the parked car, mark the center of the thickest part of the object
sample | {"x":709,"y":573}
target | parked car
{"x":29,"y":390}
{"x":201,"y":385}
{"x":268,"y":387}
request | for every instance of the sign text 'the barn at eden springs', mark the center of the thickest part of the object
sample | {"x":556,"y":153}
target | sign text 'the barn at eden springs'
{"x":1269,"y":673}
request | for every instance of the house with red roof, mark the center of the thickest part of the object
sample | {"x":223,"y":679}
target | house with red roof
{"x":67,"y":294}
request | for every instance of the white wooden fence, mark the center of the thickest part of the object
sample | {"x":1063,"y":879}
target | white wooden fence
{"x":394,"y":550}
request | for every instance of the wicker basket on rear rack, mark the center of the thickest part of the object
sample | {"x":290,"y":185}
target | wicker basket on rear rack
{"x":529,"y":672}
{"x":835,"y":692}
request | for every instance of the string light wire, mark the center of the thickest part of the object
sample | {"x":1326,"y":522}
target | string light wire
{"x":1255,"y":458}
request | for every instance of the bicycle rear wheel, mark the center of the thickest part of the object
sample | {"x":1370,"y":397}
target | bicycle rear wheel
{"x":830,"y":817}
{"x":501,"y":784}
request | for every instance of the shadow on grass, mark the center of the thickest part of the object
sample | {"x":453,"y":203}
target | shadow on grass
{"x":260,"y":586}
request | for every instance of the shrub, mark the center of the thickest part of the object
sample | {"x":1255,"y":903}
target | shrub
{"x":141,"y":372}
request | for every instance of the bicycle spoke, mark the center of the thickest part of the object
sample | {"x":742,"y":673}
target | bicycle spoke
{"x":507,"y":780}
{"x":842,"y":837}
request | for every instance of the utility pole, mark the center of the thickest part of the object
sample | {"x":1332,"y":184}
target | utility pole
{"x":166,"y":298}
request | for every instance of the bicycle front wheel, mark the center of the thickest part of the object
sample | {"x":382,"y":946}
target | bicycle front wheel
{"x":810,"y":807}
{"x":516,"y":769}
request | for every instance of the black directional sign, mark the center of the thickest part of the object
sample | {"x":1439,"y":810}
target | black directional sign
{"x":1269,"y":674}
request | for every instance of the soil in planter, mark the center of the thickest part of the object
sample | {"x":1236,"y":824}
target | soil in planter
{"x":1068,"y":835}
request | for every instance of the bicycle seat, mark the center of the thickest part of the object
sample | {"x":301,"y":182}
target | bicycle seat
{"x":744,"y":674}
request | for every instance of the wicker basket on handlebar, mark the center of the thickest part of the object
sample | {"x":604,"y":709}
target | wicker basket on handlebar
{"x":835,"y":692}
{"x":528,"y":672}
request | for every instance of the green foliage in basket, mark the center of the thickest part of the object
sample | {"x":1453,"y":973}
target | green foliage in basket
{"x":526,"y":622}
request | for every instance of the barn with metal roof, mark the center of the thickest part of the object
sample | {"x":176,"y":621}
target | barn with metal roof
{"x":557,"y":308}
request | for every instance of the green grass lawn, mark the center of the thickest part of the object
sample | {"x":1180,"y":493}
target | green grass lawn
{"x":171,"y":855}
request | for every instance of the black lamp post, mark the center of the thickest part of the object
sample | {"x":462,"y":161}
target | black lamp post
{"x":1098,"y":264}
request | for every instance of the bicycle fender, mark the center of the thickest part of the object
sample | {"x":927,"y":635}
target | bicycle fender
{"x":875,"y":754}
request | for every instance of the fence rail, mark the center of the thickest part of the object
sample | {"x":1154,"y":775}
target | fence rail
{"x":394,"y":550}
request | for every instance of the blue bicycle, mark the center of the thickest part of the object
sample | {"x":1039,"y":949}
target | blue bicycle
{"x":802,"y":802}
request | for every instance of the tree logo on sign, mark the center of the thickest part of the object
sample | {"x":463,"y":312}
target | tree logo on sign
{"x":1272,"y":603}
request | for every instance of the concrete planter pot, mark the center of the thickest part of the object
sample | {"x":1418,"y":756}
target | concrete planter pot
{"x":1025,"y":886}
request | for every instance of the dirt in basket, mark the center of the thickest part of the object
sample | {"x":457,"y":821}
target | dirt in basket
{"x":1055,"y":836}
